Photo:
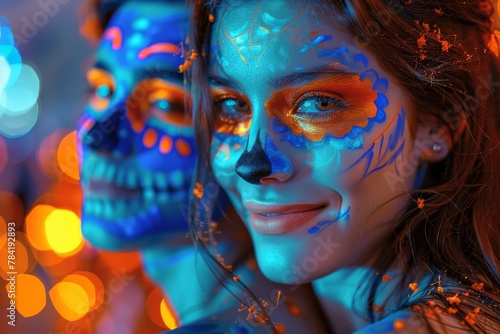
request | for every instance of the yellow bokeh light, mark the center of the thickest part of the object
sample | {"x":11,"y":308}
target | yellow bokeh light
{"x":30,"y":295}
{"x":86,"y":284}
{"x":96,"y":285}
{"x":70,"y":300}
{"x":62,"y":229}
{"x":67,"y":157}
{"x":167,"y":314}
{"x":35,"y":226}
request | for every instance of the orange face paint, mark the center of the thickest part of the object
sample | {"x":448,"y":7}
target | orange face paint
{"x":182,"y":147}
{"x":165,"y":144}
{"x":115,"y":35}
{"x":140,"y":104}
{"x":158,"y":48}
{"x":150,"y":138}
{"x":359,"y":97}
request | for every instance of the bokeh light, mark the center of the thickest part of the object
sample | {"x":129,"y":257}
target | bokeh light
{"x":30,"y":295}
{"x":86,"y":284}
{"x":47,"y":153}
{"x":168,"y":315}
{"x":19,"y":98}
{"x":96,"y":297}
{"x":153,"y":307}
{"x":67,"y":157}
{"x":62,"y":229}
{"x":70,"y":300}
{"x":13,"y":126}
{"x":35,"y":226}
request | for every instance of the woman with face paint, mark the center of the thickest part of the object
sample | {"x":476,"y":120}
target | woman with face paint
{"x":359,"y":141}
{"x":137,"y":159}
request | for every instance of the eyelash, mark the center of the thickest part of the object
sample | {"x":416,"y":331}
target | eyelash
{"x":321,"y":116}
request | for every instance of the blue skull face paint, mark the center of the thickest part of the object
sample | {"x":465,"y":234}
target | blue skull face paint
{"x":137,"y":144}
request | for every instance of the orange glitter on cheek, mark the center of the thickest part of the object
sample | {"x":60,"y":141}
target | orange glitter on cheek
{"x":358,"y":95}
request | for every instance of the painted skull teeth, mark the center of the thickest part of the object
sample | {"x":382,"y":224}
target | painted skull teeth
{"x":133,"y":190}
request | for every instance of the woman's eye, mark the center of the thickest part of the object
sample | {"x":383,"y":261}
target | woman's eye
{"x":319,"y":104}
{"x":233,"y":107}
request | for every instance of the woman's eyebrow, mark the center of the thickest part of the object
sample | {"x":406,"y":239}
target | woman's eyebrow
{"x":306,"y":75}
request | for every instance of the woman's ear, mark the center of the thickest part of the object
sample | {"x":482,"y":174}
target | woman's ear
{"x":433,"y":138}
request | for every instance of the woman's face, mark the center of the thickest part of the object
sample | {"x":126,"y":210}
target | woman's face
{"x":137,"y":146}
{"x":312,"y":139}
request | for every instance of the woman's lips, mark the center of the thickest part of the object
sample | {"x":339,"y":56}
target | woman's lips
{"x":281,"y":219}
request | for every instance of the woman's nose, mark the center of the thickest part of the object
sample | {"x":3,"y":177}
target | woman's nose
{"x":263,"y":165}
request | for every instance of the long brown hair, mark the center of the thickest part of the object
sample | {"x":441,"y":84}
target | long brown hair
{"x":445,"y":55}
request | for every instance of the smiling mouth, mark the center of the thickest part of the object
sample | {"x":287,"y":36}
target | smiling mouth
{"x":281,"y":219}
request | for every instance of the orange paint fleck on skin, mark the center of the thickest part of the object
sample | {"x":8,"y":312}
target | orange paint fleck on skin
{"x":399,"y":325}
{"x":358,"y":95}
{"x":478,"y":286}
{"x":466,"y":294}
{"x":413,"y":286}
{"x":115,"y":35}
{"x":454,"y":299}
{"x":182,"y":147}
{"x":157,"y":48}
{"x":166,"y":144}
{"x":386,"y":278}
{"x":150,"y":138}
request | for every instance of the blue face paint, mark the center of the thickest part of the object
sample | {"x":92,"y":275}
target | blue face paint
{"x":137,"y":145}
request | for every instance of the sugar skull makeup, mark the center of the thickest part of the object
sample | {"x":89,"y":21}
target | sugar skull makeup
{"x":137,"y":143}
{"x":309,"y":131}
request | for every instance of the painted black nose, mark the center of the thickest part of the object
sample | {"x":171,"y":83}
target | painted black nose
{"x":254,"y":165}
{"x":103,"y":136}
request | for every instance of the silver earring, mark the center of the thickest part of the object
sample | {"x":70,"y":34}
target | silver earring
{"x":437,"y":147}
